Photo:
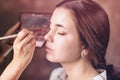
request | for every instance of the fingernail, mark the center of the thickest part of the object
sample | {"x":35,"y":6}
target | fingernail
{"x":21,"y":33}
{"x":31,"y":32}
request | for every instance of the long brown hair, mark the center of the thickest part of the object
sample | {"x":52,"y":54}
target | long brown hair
{"x":93,"y":28}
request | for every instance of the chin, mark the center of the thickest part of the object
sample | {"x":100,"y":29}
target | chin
{"x":52,"y":59}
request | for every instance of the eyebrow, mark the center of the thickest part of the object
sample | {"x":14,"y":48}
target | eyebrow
{"x":59,"y":25}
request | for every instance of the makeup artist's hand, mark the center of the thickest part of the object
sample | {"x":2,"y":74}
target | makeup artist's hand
{"x":24,"y":46}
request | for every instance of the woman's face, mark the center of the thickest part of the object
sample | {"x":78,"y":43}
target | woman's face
{"x":63,"y":44}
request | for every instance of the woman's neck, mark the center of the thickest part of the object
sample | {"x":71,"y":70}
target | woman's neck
{"x":79,"y":70}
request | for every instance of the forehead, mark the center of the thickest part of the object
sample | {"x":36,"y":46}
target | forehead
{"x":63,"y":16}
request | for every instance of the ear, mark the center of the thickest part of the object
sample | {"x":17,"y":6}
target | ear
{"x":84,"y":52}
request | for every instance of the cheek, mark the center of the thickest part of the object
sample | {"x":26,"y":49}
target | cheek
{"x":68,"y":49}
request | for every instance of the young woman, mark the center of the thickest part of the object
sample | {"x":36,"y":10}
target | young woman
{"x":77,"y":39}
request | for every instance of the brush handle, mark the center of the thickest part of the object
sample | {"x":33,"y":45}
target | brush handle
{"x":7,"y":37}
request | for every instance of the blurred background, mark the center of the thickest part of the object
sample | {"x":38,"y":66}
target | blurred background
{"x":40,"y":68}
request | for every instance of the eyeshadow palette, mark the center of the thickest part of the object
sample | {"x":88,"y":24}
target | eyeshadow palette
{"x":38,"y":23}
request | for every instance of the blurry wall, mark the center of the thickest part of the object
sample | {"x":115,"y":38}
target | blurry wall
{"x":39,"y":67}
{"x":10,"y":10}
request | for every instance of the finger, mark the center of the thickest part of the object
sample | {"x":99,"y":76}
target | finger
{"x":21,"y":35}
{"x":27,"y":39}
{"x":24,"y":48}
{"x":29,"y":51}
{"x":13,"y":29}
{"x":30,"y":47}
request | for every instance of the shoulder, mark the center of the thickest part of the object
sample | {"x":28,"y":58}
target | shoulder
{"x":58,"y":74}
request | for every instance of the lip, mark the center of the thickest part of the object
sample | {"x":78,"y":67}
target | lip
{"x":48,"y":49}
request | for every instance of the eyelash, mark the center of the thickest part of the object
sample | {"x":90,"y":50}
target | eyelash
{"x":61,"y":33}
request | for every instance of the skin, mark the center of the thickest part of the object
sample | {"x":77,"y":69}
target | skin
{"x":24,"y":46}
{"x":61,"y":38}
{"x":63,"y":46}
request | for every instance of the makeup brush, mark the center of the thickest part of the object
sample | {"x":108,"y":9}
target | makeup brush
{"x":7,"y":37}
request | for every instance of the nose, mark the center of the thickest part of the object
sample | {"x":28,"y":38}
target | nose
{"x":49,"y":36}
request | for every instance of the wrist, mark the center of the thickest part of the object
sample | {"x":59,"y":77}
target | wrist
{"x":19,"y":66}
{"x":13,"y":71}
